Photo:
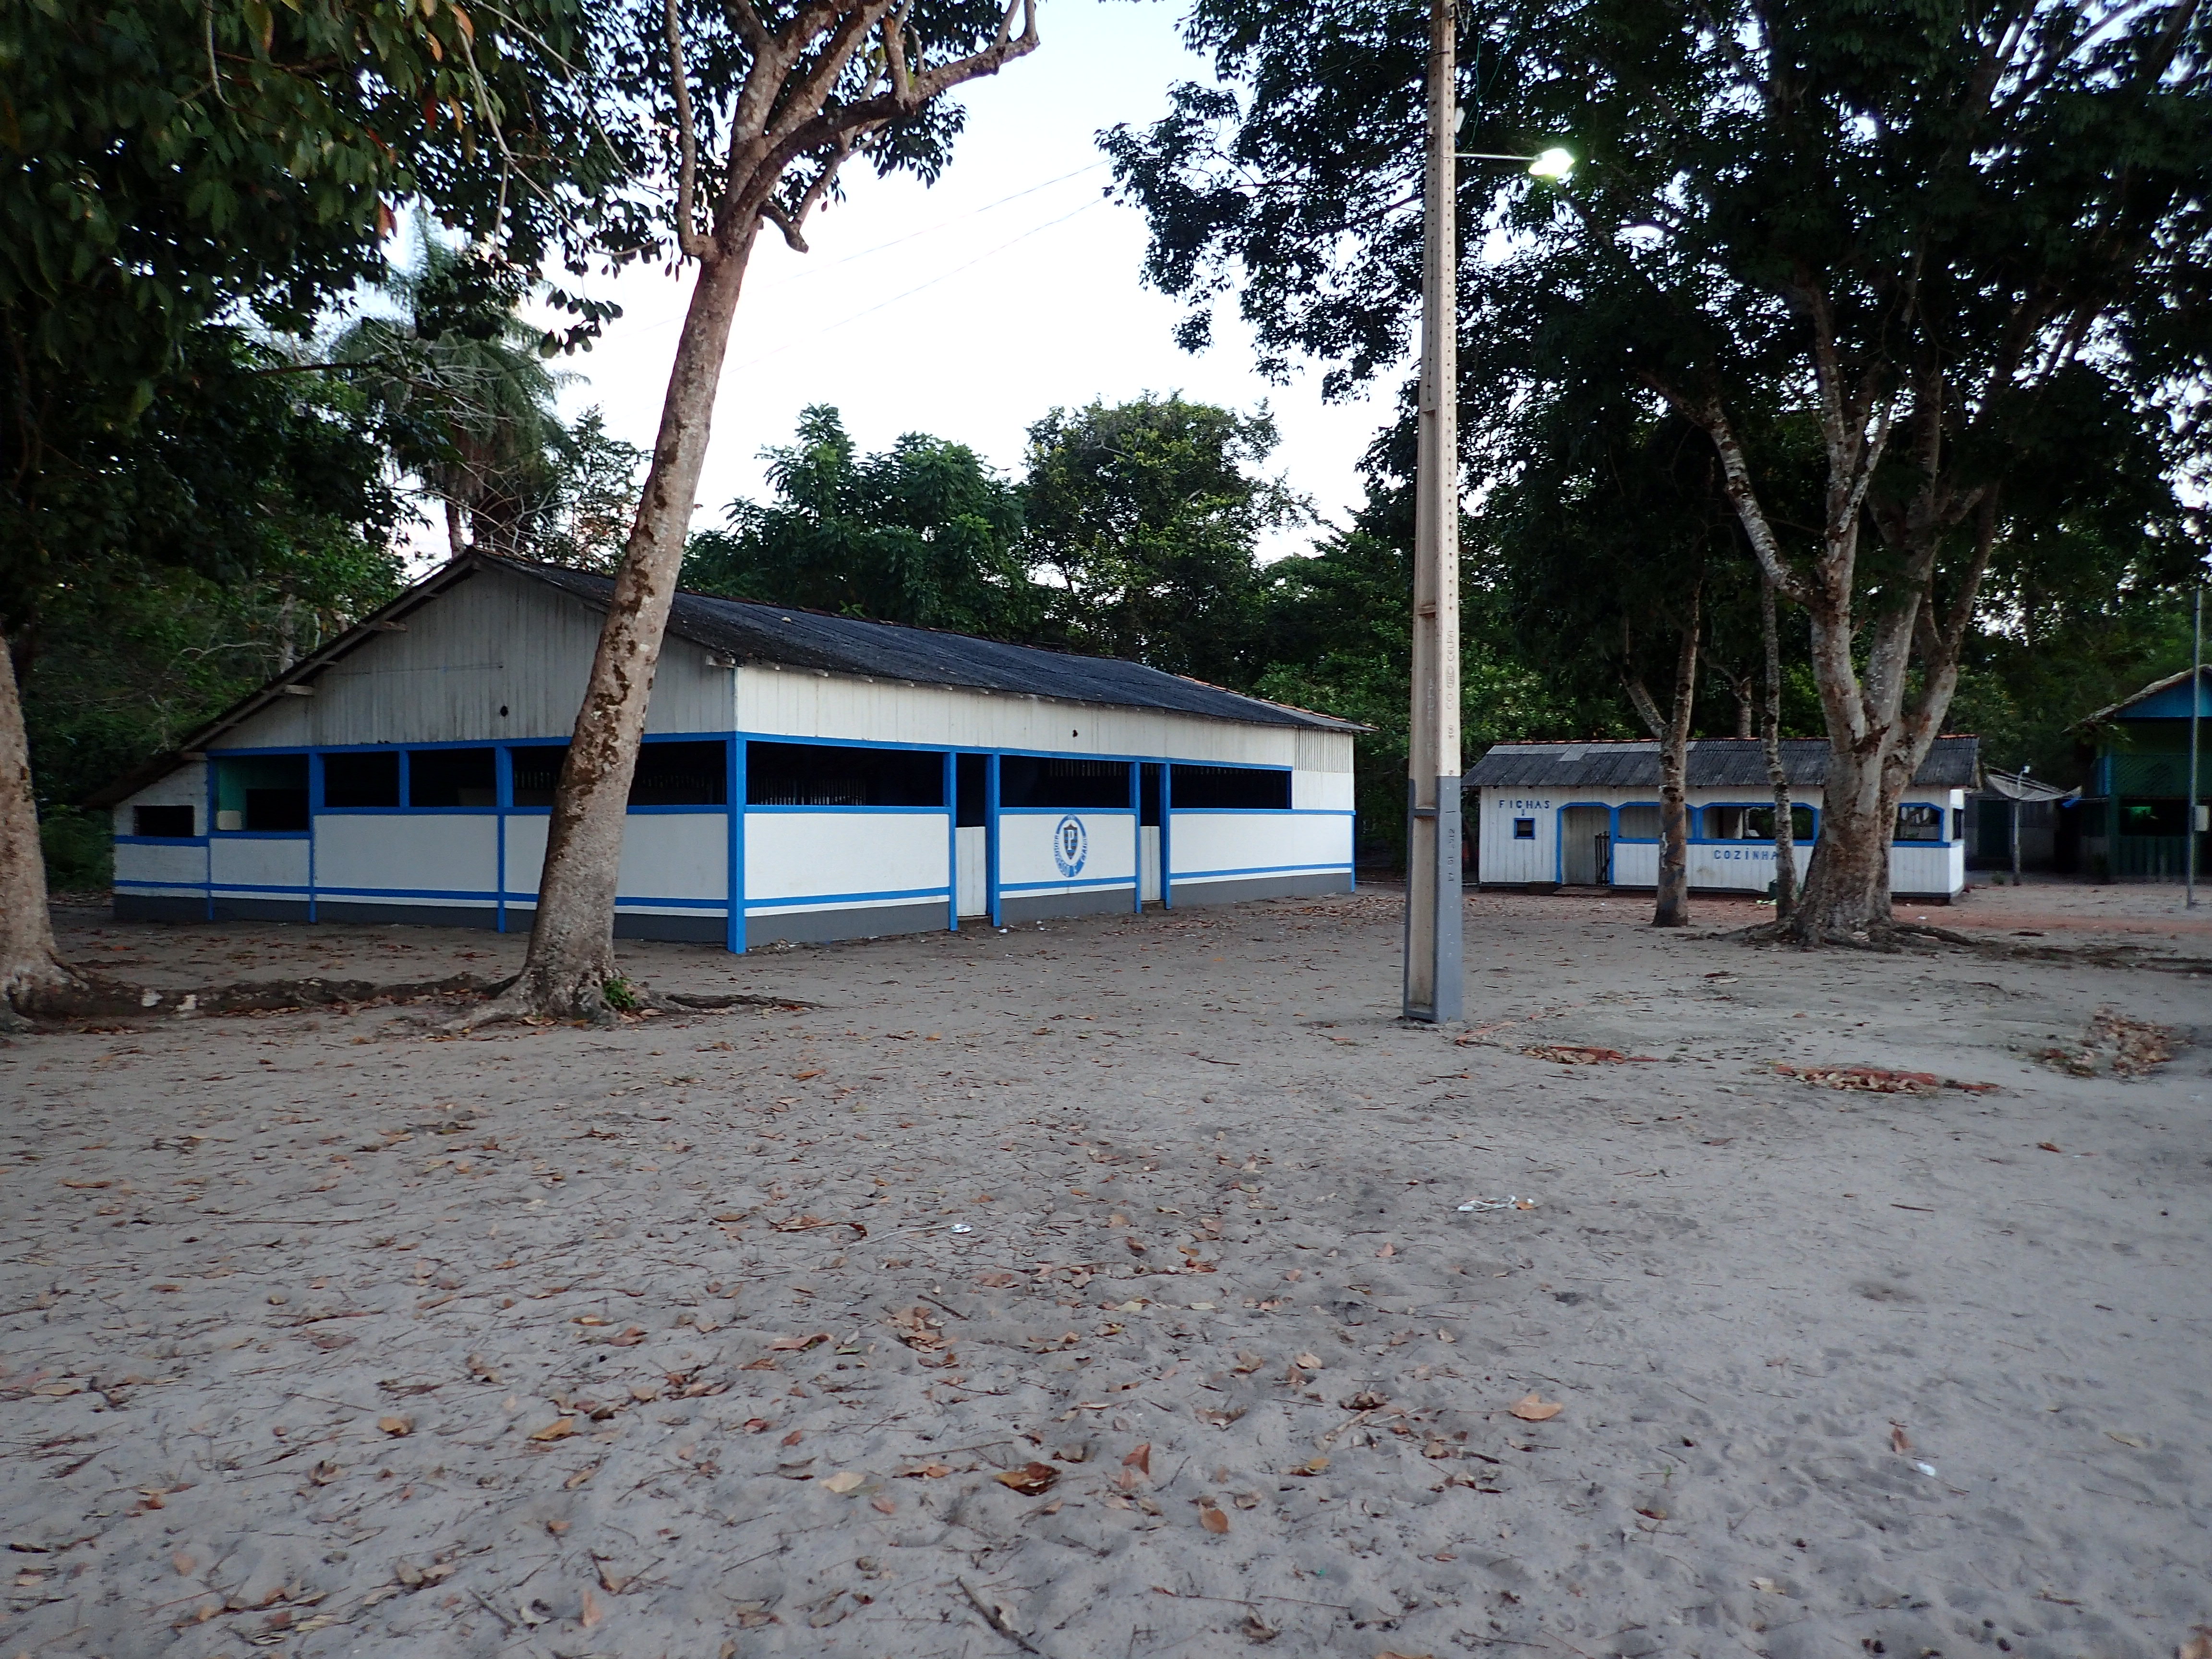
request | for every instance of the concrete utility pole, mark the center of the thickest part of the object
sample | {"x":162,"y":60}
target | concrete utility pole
{"x":1434,"y":978}
{"x":2195,"y":707}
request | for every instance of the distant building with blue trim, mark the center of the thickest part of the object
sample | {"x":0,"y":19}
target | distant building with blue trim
{"x":1587,"y":815}
{"x":2135,"y":801}
{"x":803,"y":777}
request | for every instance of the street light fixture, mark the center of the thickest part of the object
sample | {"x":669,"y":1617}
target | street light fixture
{"x":1553,"y":163}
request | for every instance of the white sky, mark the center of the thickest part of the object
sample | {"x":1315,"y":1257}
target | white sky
{"x":982,"y":312}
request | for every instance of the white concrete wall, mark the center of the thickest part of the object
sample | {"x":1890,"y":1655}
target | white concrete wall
{"x":1244,"y":846}
{"x":434,"y":859}
{"x":679,"y":856}
{"x":844,"y":857}
{"x":1030,"y":849}
{"x":258,"y":866}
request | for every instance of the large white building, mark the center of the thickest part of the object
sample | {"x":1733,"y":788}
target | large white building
{"x":804,"y":777}
{"x":1587,"y":814}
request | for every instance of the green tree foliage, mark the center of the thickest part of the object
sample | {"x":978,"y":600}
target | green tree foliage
{"x":922,"y":533}
{"x":247,"y":516}
{"x":444,"y":355}
{"x":1339,"y":639}
{"x":1967,"y":247}
{"x":1147,"y":516}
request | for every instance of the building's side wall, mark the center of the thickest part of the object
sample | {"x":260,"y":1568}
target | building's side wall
{"x":499,"y":660}
{"x":1930,"y":869}
{"x":164,"y":877}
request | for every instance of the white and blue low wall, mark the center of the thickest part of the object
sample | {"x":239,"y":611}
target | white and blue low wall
{"x":739,"y":877}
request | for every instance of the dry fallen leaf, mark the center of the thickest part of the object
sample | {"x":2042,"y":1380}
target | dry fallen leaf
{"x":396,"y":1426}
{"x":1211,"y":1519}
{"x":794,"y":1438}
{"x":1387,"y":1250}
{"x":2134,"y":1440}
{"x":559,"y":1429}
{"x":1899,"y":1440}
{"x":883,"y":1503}
{"x":930,"y":1471}
{"x":590,"y":1615}
{"x":1532,"y":1408}
{"x":1768,"y":1585}
{"x":2198,"y":1646}
{"x":1306,"y":1362}
{"x":2046,"y":1146}
{"x":323,"y":1473}
{"x":1032,"y":1480}
{"x":797,"y":1343}
{"x":1388,"y":1653}
{"x":1140,"y":1460}
{"x":845,"y":1480}
{"x":1312,"y":1465}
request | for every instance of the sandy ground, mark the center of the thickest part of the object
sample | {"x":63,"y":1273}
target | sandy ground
{"x":710,"y":1337}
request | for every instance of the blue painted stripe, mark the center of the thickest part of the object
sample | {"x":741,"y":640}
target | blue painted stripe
{"x":923,"y":810}
{"x":1088,"y":881}
{"x":1064,"y":812}
{"x":1265,"y":812}
{"x":262,"y":835}
{"x":1258,"y":869}
{"x":800,"y":901}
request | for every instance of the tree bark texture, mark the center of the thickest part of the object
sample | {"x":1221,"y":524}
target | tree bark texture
{"x":1786,"y":833}
{"x":29,"y":962}
{"x":1671,"y":907}
{"x":779,"y":118}
{"x":571,"y":957}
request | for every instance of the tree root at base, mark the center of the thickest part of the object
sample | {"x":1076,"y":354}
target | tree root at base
{"x":82,"y":997}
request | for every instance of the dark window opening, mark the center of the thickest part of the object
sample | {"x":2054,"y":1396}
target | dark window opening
{"x":1524,"y":828}
{"x":823,"y":775}
{"x":1033,"y":780}
{"x":536,"y":773}
{"x":2153,"y":817}
{"x":1148,"y":795}
{"x":267,"y":794}
{"x":162,"y":822}
{"x":1917,"y":821}
{"x":1758,"y":823}
{"x":1241,"y":789}
{"x":969,"y":808}
{"x":453,"y":777}
{"x":361,"y":779}
{"x":681,"y":775}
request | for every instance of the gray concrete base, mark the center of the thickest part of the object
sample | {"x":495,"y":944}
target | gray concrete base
{"x":1084,"y":902}
{"x":1237,"y":890}
{"x":820,"y":926}
{"x":159,"y":907}
{"x":361,"y":912}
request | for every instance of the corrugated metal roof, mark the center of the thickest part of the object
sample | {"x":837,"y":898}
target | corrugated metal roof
{"x":1714,"y":764}
{"x":754,"y":632}
{"x":2173,"y":708}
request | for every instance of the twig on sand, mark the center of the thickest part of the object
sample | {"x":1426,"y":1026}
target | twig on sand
{"x":997,"y":1617}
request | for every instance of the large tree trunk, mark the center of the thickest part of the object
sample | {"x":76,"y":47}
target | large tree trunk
{"x":571,"y":957}
{"x":1786,"y":833}
{"x":1671,"y":908}
{"x":29,"y":962}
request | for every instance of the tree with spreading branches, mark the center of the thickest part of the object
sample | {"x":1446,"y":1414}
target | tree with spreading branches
{"x":1966,"y":244}
{"x":754,"y":110}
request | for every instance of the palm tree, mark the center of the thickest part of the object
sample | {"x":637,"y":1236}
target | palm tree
{"x":466,"y":397}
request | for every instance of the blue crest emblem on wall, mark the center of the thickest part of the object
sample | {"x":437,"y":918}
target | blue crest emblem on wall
{"x":1071,"y":845}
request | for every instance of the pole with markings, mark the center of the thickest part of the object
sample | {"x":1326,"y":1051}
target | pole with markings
{"x":1434,"y":978}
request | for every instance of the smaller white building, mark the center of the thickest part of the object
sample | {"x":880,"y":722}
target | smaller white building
{"x":1587,"y":815}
